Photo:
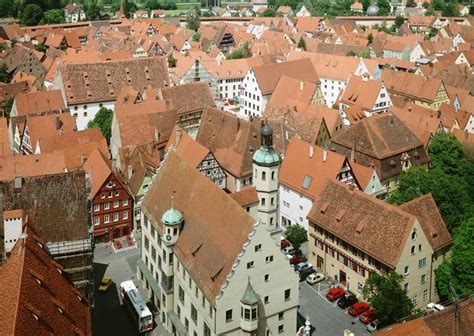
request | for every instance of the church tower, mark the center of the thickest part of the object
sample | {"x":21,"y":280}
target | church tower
{"x":266,"y":165}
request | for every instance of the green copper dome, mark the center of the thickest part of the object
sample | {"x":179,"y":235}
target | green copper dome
{"x":172,"y":217}
{"x":266,"y":156}
{"x":250,"y":296}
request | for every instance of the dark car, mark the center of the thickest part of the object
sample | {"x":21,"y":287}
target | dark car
{"x":297,"y":260}
{"x":346,"y":301}
{"x":335,"y":294}
{"x":305,"y":273}
{"x":284,"y":243}
{"x":358,"y":308}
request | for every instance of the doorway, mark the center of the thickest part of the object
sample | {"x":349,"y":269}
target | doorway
{"x":342,"y":278}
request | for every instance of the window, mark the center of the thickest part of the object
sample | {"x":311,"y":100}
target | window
{"x":360,"y":287}
{"x":425,"y":295}
{"x":106,"y":219}
{"x":96,"y":220}
{"x":272,"y":201}
{"x":266,"y":300}
{"x":110,"y":194}
{"x":419,"y":248}
{"x":360,"y":270}
{"x":258,"y":247}
{"x":414,"y":300}
{"x":286,"y":204}
{"x":107,"y":206}
{"x":207,"y":331}
{"x":264,"y":176}
{"x":412,"y":250}
{"x":228,"y":316}
{"x":287,"y":294}
{"x":281,"y":316}
{"x":406,"y":287}
{"x":263,"y":201}
{"x":350,"y":264}
{"x":186,"y":324}
{"x":413,"y":235}
{"x":147,"y":243}
{"x":116,"y":204}
{"x":125,"y":215}
{"x":250,"y":264}
{"x":116,"y":217}
{"x":423,"y":278}
{"x":281,"y":329}
{"x":422,"y":263}
{"x":267,"y":277}
{"x":193,"y":313}
{"x":407,"y":271}
{"x":97,"y":207}
{"x":269,"y":259}
{"x":273,"y":175}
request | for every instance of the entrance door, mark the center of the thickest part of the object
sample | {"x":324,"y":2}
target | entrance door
{"x":342,"y":278}
{"x":319,"y":262}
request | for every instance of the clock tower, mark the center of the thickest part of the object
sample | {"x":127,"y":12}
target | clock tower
{"x":172,"y":221}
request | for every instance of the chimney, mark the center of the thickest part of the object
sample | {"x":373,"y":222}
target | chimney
{"x":18,"y":182}
{"x":301,"y":86}
{"x":325,"y":154}
{"x":219,"y":63}
{"x":157,"y":135}
{"x":353,"y":153}
{"x":439,"y":114}
{"x":178,"y":135}
{"x":409,"y":108}
{"x":311,"y":151}
{"x":58,"y":123}
{"x":130,"y":171}
{"x":83,"y":158}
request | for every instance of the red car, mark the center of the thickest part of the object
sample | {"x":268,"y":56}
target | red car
{"x":297,"y":260}
{"x":358,"y":308}
{"x":335,"y":294}
{"x":284,"y":243}
{"x":368,"y":316}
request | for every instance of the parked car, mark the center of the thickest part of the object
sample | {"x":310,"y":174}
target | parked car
{"x":367,"y":316}
{"x":358,"y":308}
{"x":105,"y":284}
{"x":284,"y":243}
{"x":434,"y":307}
{"x":289,"y":250}
{"x":347,"y":301}
{"x":375,"y":325}
{"x":335,"y":293}
{"x":314,"y":278}
{"x":302,"y":266}
{"x":297,"y":259}
{"x":305,"y":273}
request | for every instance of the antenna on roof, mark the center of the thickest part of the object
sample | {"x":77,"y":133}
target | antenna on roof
{"x":22,"y":246}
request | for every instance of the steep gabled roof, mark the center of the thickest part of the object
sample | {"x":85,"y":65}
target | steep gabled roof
{"x":380,"y":230}
{"x":35,"y":296}
{"x":99,"y":168}
{"x":211,"y":219}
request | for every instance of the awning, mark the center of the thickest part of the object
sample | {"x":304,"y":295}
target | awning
{"x":149,"y":277}
{"x":180,"y":329}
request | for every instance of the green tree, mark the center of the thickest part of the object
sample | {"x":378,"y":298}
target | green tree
{"x":53,"y":16}
{"x":54,"y":4}
{"x":193,"y":20}
{"x":386,"y":296}
{"x":40,"y":47}
{"x":8,"y":107}
{"x":5,"y":77}
{"x":370,"y":38}
{"x":399,"y":21}
{"x":269,"y":12}
{"x":129,"y":8}
{"x":411,"y":3}
{"x":384,"y":7}
{"x":458,"y":272}
{"x":196,"y":37}
{"x":297,"y":235}
{"x":243,"y":52}
{"x":451,"y":9}
{"x":31,"y":15}
{"x":302,"y":43}
{"x":447,"y":154}
{"x":172,"y":61}
{"x":103,"y":121}
{"x":93,"y":12}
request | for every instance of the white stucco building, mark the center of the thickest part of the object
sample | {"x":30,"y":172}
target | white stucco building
{"x":13,"y":227}
{"x":207,"y":265}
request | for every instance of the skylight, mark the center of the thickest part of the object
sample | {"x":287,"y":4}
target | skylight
{"x":306,"y":182}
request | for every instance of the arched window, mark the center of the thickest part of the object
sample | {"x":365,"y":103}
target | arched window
{"x":264,"y":176}
{"x":273,"y":175}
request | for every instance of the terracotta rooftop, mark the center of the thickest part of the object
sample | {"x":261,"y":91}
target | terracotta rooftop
{"x":385,"y":227}
{"x":268,"y":75}
{"x":425,"y":209}
{"x":31,"y":165}
{"x":361,"y":91}
{"x":212,"y":220}
{"x":102,"y":81}
{"x":188,"y":98}
{"x":293,"y":92}
{"x":39,"y":102}
{"x":4,"y":140}
{"x":64,"y":141}
{"x":35,"y":296}
{"x":245,"y":197}
{"x":305,"y":162}
{"x":99,"y":168}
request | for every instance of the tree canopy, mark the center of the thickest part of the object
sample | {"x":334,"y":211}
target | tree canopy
{"x":103,"y":121}
{"x":31,"y":15}
{"x":193,"y":19}
{"x":297,"y":235}
{"x":53,"y":16}
{"x":387,"y":297}
{"x":243,"y":52}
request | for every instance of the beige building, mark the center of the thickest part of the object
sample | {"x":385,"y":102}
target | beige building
{"x":207,"y":265}
{"x":349,"y":244}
